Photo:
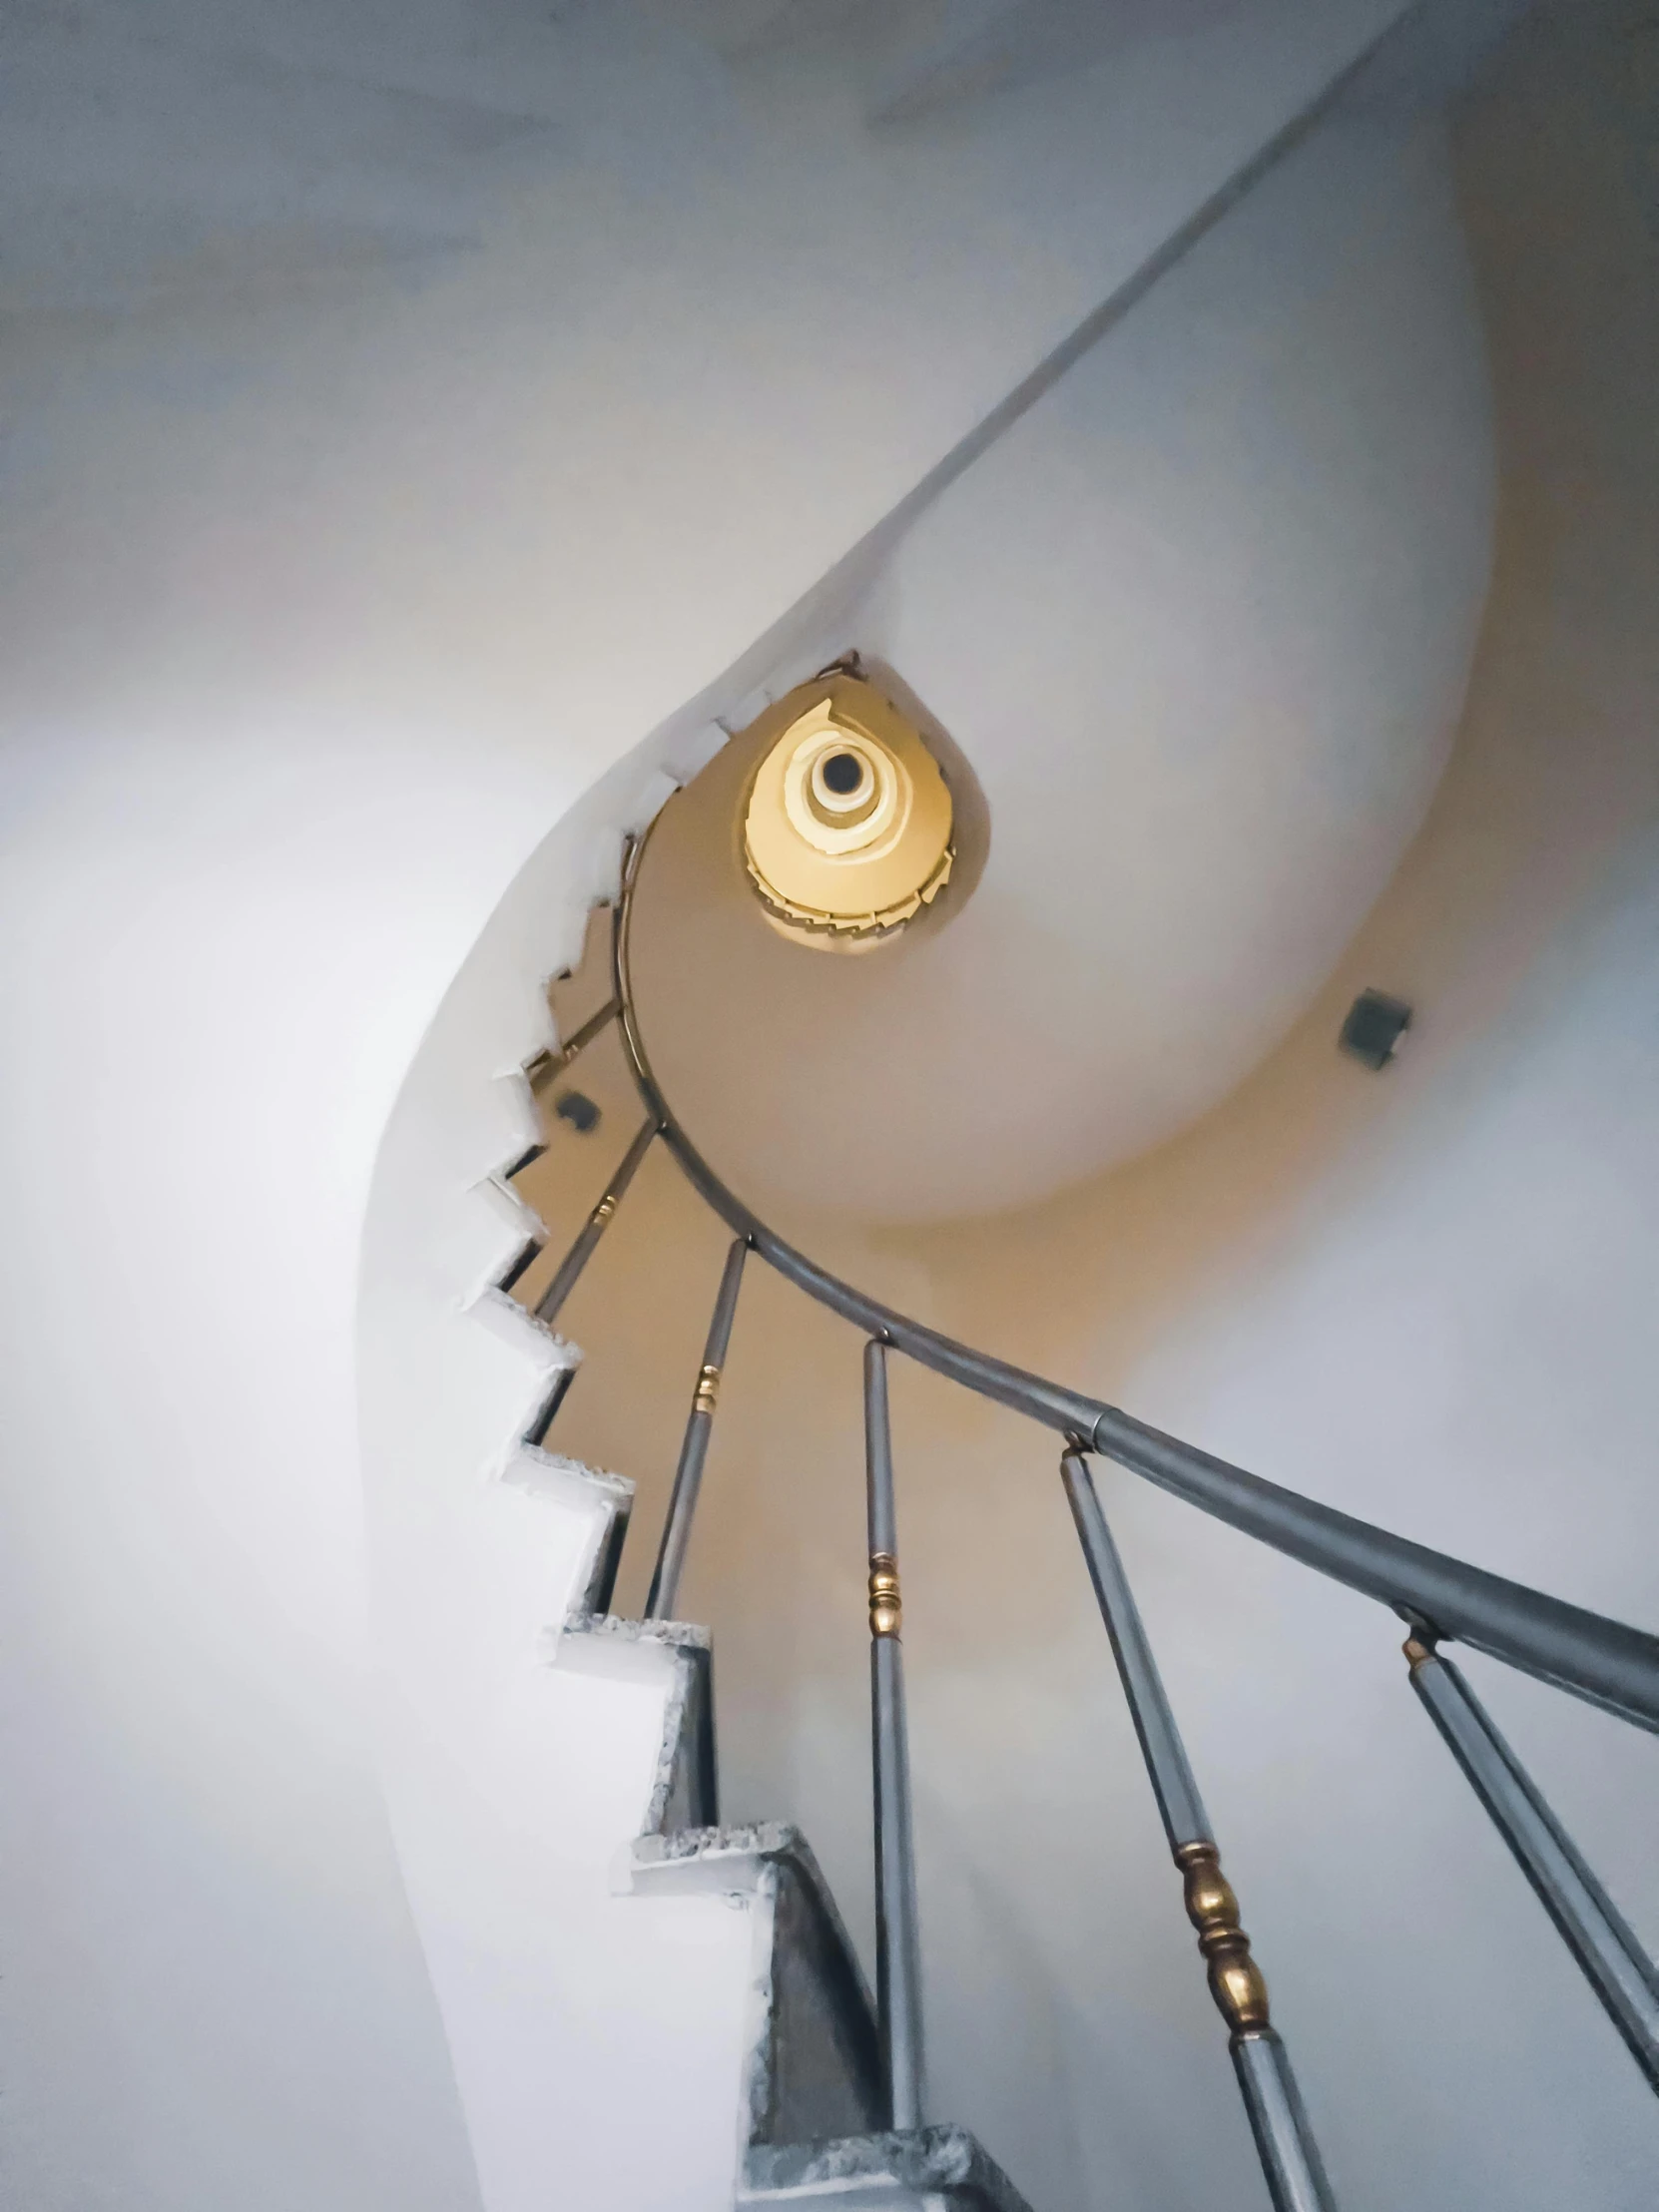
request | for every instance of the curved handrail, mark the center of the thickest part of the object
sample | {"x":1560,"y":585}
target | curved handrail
{"x":1603,"y":1661}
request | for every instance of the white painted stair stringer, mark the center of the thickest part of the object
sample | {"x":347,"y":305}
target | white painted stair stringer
{"x":523,"y":1742}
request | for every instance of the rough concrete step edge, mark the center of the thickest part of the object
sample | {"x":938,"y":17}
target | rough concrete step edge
{"x":921,"y":2165}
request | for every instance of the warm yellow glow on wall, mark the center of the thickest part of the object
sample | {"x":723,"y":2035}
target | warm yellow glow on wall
{"x":847,"y":826}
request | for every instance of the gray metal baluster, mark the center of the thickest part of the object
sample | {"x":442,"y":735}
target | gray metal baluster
{"x":562,"y":1056}
{"x":556,"y":1058}
{"x":1289,"y":2156}
{"x":898,"y":1944}
{"x":1614,"y":1962}
{"x":694,"y":1449}
{"x":577,"y":1258}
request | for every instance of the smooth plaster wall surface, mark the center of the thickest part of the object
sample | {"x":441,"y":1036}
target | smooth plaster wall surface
{"x":407,"y":409}
{"x":1199,"y":626}
{"x":1424,"y":1297}
{"x":513,"y":1785}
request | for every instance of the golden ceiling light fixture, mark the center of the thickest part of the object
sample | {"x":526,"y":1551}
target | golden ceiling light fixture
{"x":847,"y":825}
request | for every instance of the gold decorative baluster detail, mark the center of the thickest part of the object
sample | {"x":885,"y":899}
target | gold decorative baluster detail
{"x":688,"y":1472}
{"x":569,"y":1271}
{"x":1236,"y":1981}
{"x":886,"y":1606}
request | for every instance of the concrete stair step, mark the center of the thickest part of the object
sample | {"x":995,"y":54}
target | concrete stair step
{"x":929,"y":2169}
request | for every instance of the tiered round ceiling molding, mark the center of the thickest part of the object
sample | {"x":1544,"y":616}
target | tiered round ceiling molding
{"x":848,"y":824}
{"x":1191,"y":657}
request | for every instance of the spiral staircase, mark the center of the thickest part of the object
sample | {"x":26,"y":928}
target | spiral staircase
{"x":433,"y":432}
{"x":835,"y":2090}
{"x":832,"y":2087}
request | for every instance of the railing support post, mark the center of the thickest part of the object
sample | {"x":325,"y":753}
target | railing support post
{"x":897,"y":1944}
{"x":1590,"y":1925}
{"x":694,"y":1449}
{"x":581,"y":1252}
{"x":1285,"y":2142}
{"x":556,"y":1058}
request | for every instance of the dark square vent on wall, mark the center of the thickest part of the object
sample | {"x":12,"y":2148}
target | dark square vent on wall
{"x":1375,"y":1025}
{"x":579,"y":1110}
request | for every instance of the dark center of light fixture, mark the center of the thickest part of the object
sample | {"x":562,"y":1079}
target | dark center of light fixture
{"x":843,"y":774}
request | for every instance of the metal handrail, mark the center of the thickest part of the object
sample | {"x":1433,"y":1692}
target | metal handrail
{"x":1603,"y":1661}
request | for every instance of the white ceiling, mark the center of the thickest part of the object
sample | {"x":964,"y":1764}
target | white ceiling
{"x":154,"y":154}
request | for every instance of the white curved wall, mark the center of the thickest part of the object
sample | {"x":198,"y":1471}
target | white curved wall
{"x":1423,"y":1295}
{"x":1201,"y":624}
{"x":399,"y":423}
{"x":405,"y":413}
{"x":480,"y":1736}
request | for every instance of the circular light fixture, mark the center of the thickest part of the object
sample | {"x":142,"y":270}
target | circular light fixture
{"x":848,"y":822}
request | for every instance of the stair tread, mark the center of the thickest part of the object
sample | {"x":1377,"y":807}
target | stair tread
{"x":905,"y":2171}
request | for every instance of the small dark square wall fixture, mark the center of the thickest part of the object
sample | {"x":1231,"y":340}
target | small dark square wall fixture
{"x":1375,"y":1025}
{"x":579,"y":1110}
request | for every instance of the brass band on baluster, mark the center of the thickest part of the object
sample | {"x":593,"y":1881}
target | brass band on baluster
{"x":551,"y":1301}
{"x":886,"y":1606}
{"x":708,"y":1388}
{"x":1418,"y":1653}
{"x":1236,"y":1981}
